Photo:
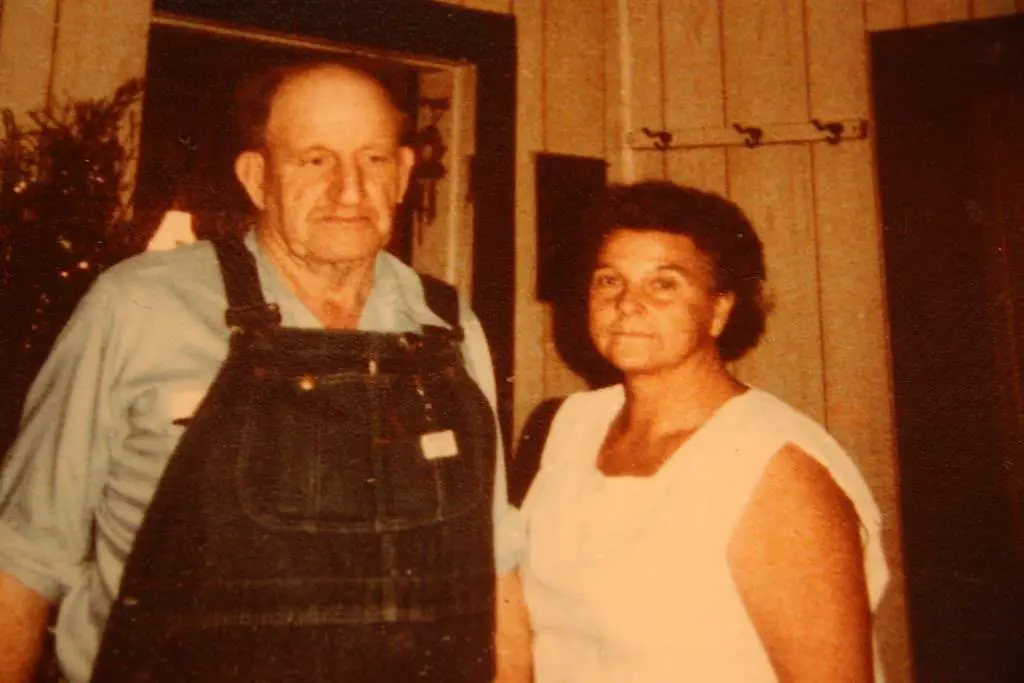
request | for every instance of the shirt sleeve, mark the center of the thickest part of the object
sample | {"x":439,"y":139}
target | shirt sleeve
{"x":509,"y":535}
{"x":53,"y":472}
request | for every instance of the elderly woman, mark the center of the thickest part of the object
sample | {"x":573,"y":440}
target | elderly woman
{"x":684,"y":526}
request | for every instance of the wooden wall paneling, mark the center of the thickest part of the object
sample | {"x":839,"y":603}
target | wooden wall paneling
{"x":884,"y":14}
{"x":766,"y":82}
{"x":837,"y":62}
{"x":643,"y":27}
{"x":574,"y":45}
{"x":529,"y":313}
{"x":694,"y":93}
{"x":921,"y":12}
{"x":857,"y":362}
{"x":881,"y":15}
{"x":701,"y":168}
{"x":773,"y":185}
{"x":618,"y":118}
{"x":100,"y":44}
{"x":981,"y":9}
{"x":855,"y":356}
{"x":26,"y":53}
{"x":765,"y":72}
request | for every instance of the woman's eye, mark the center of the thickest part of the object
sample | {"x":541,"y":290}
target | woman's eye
{"x":663,"y":284}
{"x":604,"y":280}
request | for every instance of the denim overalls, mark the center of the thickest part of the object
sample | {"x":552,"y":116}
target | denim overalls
{"x":325,"y":517}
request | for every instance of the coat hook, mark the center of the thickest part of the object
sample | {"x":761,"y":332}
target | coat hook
{"x":753,"y":134}
{"x":662,"y":138}
{"x":833,"y":128}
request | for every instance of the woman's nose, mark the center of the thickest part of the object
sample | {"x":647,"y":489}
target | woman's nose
{"x":630,"y":299}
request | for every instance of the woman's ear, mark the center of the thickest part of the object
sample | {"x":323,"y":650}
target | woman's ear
{"x":250,"y":169}
{"x":724,"y":303}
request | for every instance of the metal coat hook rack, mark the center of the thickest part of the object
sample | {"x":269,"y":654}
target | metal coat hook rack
{"x":831,"y":132}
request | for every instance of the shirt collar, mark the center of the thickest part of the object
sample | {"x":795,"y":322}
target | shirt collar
{"x":395,"y":303}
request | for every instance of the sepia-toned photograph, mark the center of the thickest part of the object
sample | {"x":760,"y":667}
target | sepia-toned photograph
{"x":512,"y":341}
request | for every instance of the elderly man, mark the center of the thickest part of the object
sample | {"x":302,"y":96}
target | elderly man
{"x":271,"y":458}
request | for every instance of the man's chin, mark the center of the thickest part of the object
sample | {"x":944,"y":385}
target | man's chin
{"x":339,"y":252}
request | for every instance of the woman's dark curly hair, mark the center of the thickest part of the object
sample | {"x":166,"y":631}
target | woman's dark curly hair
{"x":718,"y":228}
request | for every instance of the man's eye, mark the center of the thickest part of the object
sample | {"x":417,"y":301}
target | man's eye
{"x":315,"y":160}
{"x":605,"y":280}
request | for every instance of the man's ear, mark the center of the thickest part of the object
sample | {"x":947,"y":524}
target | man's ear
{"x":724,"y":304}
{"x":406,"y":160}
{"x":250,"y":169}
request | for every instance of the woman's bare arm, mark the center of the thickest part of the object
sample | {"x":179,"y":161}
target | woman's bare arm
{"x":797,"y":561}
{"x":514,"y":639}
{"x":23,"y":619}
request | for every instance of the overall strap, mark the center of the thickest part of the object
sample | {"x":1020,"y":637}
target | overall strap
{"x":247,"y":309}
{"x":443,"y":299}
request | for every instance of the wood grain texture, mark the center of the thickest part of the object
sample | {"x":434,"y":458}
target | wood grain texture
{"x":882,"y":15}
{"x":856,"y":358}
{"x":617,"y":104}
{"x":529,"y":313}
{"x":765,"y":70}
{"x":693,"y":85}
{"x":837,"y":60}
{"x":701,"y":168}
{"x":26,"y":42}
{"x":982,"y":9}
{"x":643,"y":29}
{"x":694,"y":88}
{"x":574,"y":45}
{"x":922,"y":12}
{"x":773,"y":186}
{"x":85,"y":67}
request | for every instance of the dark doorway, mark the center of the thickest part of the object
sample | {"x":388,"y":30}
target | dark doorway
{"x":950,"y":126}
{"x":190,"y":136}
{"x":425,"y":29}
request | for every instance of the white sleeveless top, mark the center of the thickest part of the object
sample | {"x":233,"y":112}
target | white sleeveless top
{"x":626,"y":578}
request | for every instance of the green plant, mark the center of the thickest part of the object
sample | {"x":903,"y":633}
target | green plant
{"x":65,"y":190}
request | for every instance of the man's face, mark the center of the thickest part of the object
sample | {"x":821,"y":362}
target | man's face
{"x":332,"y":173}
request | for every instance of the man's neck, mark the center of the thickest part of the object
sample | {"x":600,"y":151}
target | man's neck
{"x":334,"y":292}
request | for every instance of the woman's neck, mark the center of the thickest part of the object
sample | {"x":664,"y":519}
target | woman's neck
{"x":678,"y":400}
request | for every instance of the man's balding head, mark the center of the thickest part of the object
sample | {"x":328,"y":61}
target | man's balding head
{"x":255,"y":99}
{"x":329,"y":170}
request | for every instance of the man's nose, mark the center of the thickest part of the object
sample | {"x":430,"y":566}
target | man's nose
{"x":347,"y":183}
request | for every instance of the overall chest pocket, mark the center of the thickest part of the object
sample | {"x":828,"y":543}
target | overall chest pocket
{"x":356,"y":453}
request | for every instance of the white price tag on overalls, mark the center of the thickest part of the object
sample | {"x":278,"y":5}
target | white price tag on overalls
{"x":437,"y":445}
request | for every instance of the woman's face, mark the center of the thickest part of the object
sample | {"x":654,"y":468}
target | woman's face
{"x":653,"y":305}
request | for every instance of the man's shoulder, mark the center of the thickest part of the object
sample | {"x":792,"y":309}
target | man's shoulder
{"x":187,"y":274}
{"x":165,"y":268}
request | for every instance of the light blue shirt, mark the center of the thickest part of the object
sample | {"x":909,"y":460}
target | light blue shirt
{"x":144,"y":345}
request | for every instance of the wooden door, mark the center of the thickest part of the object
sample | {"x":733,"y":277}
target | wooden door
{"x":950,"y":142}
